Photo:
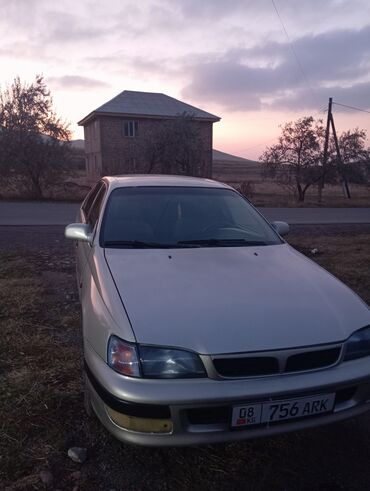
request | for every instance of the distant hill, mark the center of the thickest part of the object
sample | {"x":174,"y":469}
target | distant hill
{"x":228,"y":157}
{"x":231,"y":168}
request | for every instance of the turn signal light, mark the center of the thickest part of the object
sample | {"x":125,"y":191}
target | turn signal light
{"x":143,"y":425}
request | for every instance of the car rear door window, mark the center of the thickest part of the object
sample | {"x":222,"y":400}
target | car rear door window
{"x":93,"y":215}
{"x":89,"y":200}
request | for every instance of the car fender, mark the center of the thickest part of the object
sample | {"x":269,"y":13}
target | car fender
{"x":103,"y":313}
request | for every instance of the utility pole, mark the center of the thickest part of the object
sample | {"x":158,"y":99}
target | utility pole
{"x":326,"y":145}
{"x":330,"y":122}
{"x":340,"y":161}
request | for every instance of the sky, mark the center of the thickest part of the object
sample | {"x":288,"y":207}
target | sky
{"x":256,"y":64}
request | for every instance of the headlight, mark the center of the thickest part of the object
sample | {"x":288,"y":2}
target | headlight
{"x":122,"y":357}
{"x":149,"y":362}
{"x":357,"y":345}
{"x":170,"y":363}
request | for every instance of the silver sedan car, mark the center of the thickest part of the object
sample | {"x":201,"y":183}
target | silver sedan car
{"x":201,"y":324}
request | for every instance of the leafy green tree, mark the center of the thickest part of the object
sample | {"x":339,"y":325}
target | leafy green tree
{"x":34,"y":141}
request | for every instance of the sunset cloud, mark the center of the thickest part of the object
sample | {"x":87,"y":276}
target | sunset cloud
{"x":75,"y":82}
{"x":231,"y":58}
{"x":332,"y":63}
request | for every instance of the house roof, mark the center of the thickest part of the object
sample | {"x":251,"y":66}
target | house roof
{"x":147,"y":104}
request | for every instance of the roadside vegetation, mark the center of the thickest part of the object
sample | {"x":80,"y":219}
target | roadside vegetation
{"x":300,"y":158}
{"x":267,"y":193}
{"x":36,"y":157}
{"x":41,"y":398}
{"x":39,"y":161}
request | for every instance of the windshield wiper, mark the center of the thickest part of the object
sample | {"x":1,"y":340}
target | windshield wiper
{"x":139,"y":244}
{"x":223,"y":242}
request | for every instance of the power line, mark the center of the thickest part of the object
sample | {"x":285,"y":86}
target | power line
{"x":293,"y":50}
{"x":323,"y":110}
{"x":300,"y":64}
{"x":351,"y":107}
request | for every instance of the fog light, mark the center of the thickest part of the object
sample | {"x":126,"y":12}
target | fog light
{"x":144,"y":425}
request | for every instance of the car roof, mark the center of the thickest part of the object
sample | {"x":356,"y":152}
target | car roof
{"x":134,"y":180}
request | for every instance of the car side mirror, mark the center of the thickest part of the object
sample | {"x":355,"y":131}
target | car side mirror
{"x":282,"y":228}
{"x":78,"y":231}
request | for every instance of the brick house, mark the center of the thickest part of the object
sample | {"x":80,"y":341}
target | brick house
{"x":122,"y":135}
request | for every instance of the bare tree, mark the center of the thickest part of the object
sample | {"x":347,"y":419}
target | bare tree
{"x":295,"y":161}
{"x":354,"y":163}
{"x":175,"y":148}
{"x":355,"y":155}
{"x":33,"y":139}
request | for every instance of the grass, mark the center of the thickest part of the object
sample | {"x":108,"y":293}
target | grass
{"x":41,"y":401}
{"x":40,"y":389}
{"x":270,"y":194}
{"x":347,"y":256}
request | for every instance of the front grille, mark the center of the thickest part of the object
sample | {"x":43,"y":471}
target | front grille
{"x":209,"y":415}
{"x":246,"y":367}
{"x":312,"y":360}
{"x":346,"y":394}
{"x":252,"y":366}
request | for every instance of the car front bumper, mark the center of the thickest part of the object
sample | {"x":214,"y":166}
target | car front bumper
{"x":200,"y":409}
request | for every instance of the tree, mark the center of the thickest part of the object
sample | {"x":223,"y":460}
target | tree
{"x":33,"y":139}
{"x":171,"y":146}
{"x":176,"y":147}
{"x":184,"y":151}
{"x":355,"y":155}
{"x":295,"y":161}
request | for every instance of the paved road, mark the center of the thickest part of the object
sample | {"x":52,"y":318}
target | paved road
{"x":317,"y":216}
{"x":51,"y":213}
{"x":37,"y":213}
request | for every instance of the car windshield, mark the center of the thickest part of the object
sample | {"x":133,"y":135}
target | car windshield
{"x":168,"y":217}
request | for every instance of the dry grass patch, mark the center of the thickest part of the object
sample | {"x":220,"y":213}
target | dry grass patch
{"x":40,"y":376}
{"x":346,"y":256}
{"x":270,"y":194}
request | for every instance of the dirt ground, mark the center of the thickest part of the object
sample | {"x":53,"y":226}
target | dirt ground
{"x":41,"y":399}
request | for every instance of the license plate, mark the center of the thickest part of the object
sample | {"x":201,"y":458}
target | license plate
{"x":274,"y":411}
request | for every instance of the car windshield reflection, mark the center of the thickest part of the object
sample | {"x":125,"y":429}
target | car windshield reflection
{"x":180,"y":217}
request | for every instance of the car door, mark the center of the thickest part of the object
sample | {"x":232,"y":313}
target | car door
{"x":89,"y":214}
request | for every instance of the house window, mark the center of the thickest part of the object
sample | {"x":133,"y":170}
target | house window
{"x":130,"y":128}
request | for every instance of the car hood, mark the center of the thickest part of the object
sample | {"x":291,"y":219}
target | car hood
{"x":234,"y":299}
